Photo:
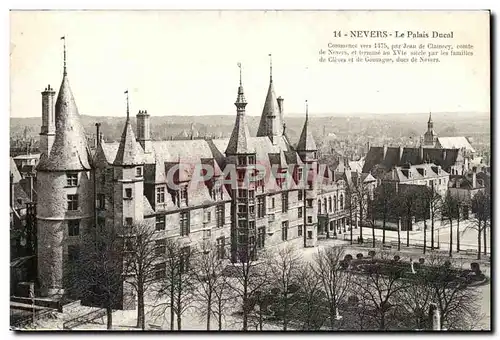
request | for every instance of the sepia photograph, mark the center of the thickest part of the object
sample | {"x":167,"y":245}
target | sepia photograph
{"x":250,"y":170}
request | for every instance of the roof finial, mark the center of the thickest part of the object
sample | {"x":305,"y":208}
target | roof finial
{"x":239,"y":65}
{"x":271,"y":67}
{"x":128,"y":114}
{"x":307,"y":110}
{"x":63,"y":38}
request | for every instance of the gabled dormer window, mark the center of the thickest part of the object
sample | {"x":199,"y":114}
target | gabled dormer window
{"x":72,"y":179}
{"x":160,"y":195}
{"x":242,"y":160}
{"x":299,"y":174}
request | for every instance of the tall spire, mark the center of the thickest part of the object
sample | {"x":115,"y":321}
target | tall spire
{"x":129,"y":151}
{"x":128,"y":109}
{"x":307,"y":111}
{"x":240,"y":103}
{"x":63,"y":38}
{"x":306,"y":140}
{"x":239,"y":141}
{"x":69,"y":151}
{"x":271,"y":124}
{"x":430,"y":117}
{"x":270,"y":67}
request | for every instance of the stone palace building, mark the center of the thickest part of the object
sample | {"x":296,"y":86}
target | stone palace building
{"x":143,"y":181}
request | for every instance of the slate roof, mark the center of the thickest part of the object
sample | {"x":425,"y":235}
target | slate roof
{"x":306,"y":140}
{"x":129,"y":151}
{"x":396,"y":156}
{"x":239,"y":142}
{"x":465,"y":182}
{"x":418,"y":172}
{"x":20,"y":197}
{"x":69,"y":151}
{"x":14,"y":171}
{"x":454,"y":143}
{"x":271,"y":108}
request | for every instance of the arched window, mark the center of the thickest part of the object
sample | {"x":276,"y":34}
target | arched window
{"x":335,"y":203}
{"x":325,"y":206}
{"x":341,"y":201}
{"x":319,"y":206}
{"x":330,"y":203}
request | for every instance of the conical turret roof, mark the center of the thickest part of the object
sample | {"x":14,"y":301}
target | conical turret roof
{"x":69,"y":151}
{"x":306,"y":140}
{"x":271,"y":109}
{"x":129,"y":151}
{"x":239,"y":143}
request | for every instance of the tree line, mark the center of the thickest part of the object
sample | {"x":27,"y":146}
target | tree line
{"x":387,"y":205}
{"x":276,"y":286}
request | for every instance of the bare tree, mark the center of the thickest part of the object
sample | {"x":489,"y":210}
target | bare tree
{"x":140,"y":262}
{"x":211,"y":284}
{"x":335,"y":280}
{"x":371,"y":212}
{"x":251,"y":275}
{"x":96,"y":275}
{"x":378,"y":287}
{"x":312,"y":297}
{"x":384,"y":199}
{"x":223,"y":296}
{"x":409,"y":198}
{"x":284,"y":273}
{"x":415,"y":300}
{"x":481,"y":207}
{"x":361,"y":193}
{"x":177,"y":285}
{"x":449,"y":211}
{"x":431,"y":202}
{"x":351,"y":206}
{"x":458,"y":303}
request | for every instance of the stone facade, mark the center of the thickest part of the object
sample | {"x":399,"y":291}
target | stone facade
{"x":140,"y":181}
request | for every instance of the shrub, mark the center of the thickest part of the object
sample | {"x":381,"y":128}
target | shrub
{"x":447,"y":263}
{"x":359,"y":256}
{"x":371,"y":253}
{"x":474,"y":266}
{"x":343,"y":264}
{"x":348,"y":257}
{"x":397,"y":258}
{"x":421,"y":260}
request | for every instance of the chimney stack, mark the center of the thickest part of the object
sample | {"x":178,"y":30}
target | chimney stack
{"x":29,"y":189}
{"x":385,"y":151}
{"x":280,"y":104}
{"x":48,"y":129}
{"x":474,"y":180}
{"x":144,"y":130}
{"x":98,"y":134}
{"x":421,"y":153}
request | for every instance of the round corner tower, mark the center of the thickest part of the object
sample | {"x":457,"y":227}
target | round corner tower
{"x":65,"y":196}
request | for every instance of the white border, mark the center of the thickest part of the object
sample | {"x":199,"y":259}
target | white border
{"x":192,"y":4}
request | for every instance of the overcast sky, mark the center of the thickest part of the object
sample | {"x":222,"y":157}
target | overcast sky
{"x":185,"y":63}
